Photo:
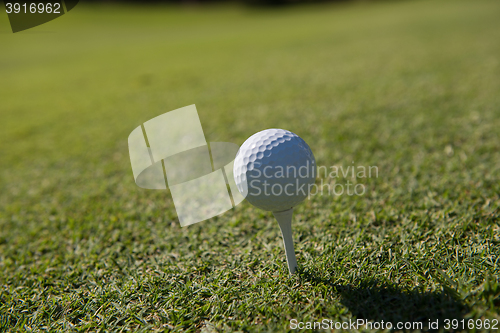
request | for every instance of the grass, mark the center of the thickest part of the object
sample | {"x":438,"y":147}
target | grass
{"x":411,"y":87}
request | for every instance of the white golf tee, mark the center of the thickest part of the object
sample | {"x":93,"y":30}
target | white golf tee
{"x":284,"y":219}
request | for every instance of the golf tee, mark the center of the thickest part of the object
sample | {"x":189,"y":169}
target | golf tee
{"x":284,"y":219}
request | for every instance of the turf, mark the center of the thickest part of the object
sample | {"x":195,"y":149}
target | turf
{"x":411,"y":87}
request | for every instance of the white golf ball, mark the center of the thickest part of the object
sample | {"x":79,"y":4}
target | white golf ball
{"x":274,"y":169}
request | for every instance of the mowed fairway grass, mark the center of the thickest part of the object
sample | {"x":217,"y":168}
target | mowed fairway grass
{"x":411,"y":87}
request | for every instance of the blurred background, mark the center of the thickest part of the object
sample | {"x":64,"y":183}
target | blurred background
{"x":208,"y":2}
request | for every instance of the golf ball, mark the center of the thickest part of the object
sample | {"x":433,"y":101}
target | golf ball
{"x":274,"y":169}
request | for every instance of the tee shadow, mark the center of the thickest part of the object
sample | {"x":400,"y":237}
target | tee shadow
{"x":375,"y":301}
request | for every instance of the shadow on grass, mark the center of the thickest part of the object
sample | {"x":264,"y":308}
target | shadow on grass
{"x":373,"y":300}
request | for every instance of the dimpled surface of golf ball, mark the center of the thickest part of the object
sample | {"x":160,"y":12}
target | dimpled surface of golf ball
{"x":274,"y":169}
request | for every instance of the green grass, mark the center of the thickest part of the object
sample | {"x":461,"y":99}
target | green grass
{"x":411,"y":87}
